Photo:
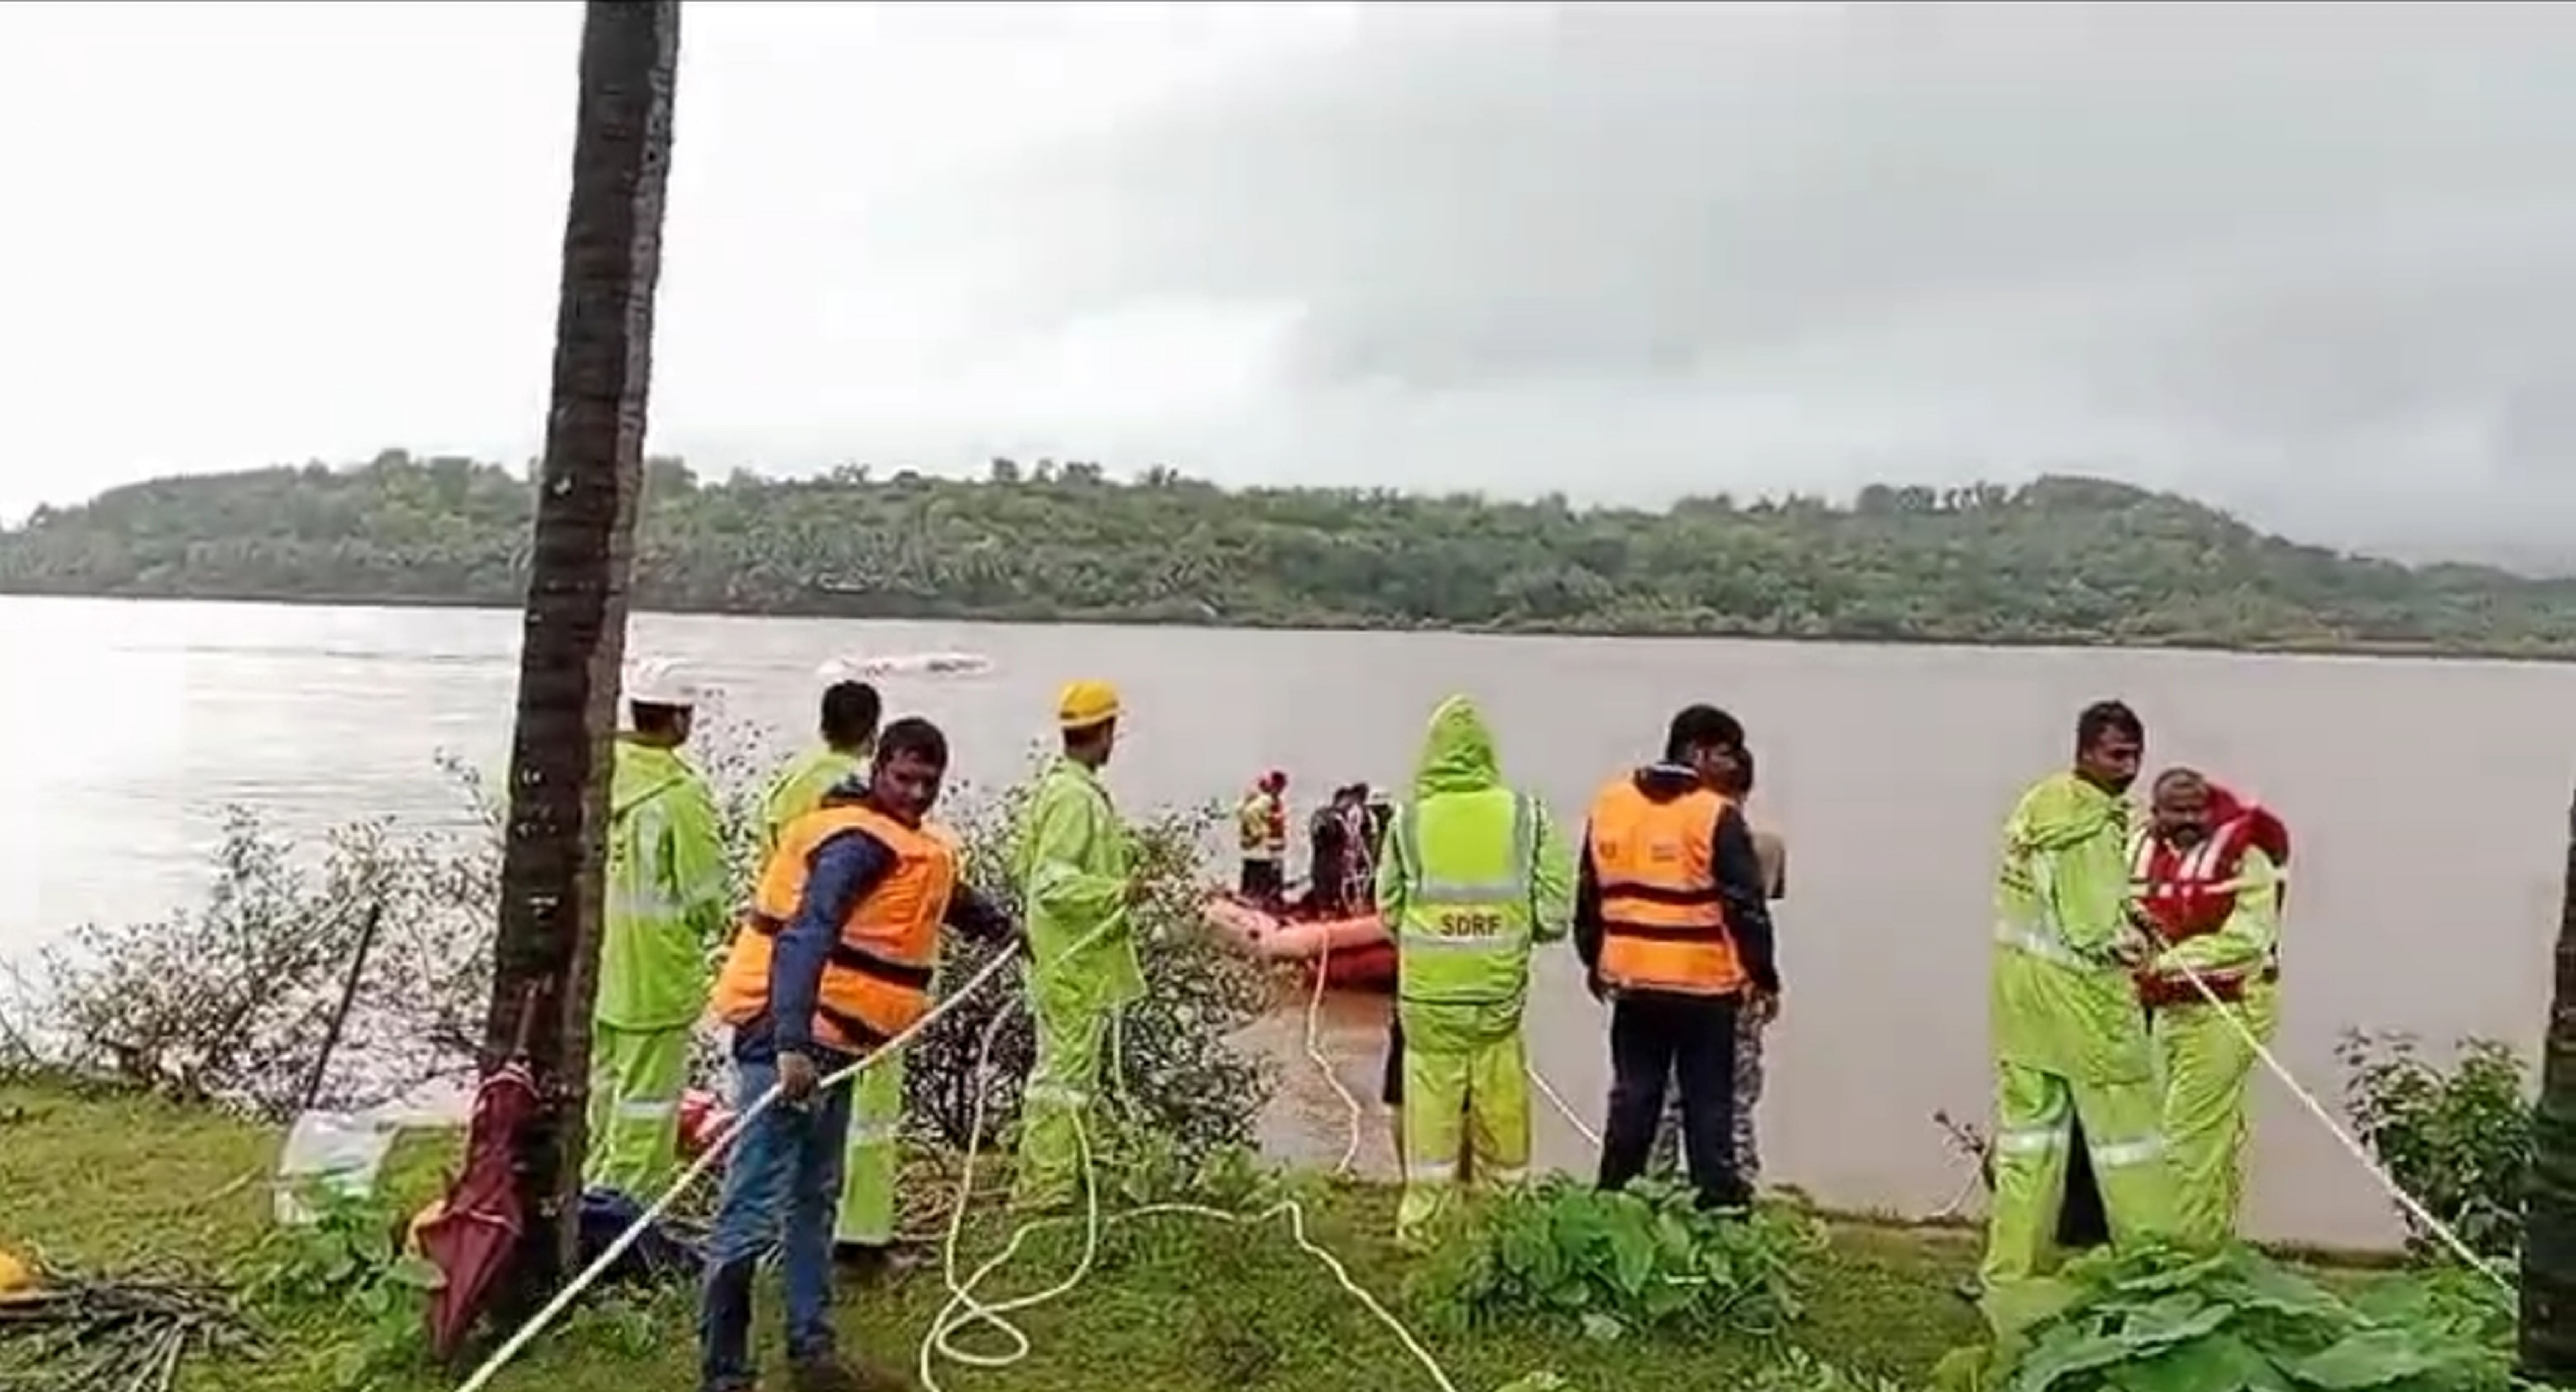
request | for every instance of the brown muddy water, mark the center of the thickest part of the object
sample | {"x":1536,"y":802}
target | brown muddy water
{"x":2429,"y":800}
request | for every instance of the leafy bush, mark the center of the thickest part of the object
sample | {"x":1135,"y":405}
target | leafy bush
{"x":1179,"y":1078}
{"x":346,"y":1281}
{"x":1641,"y":1258}
{"x":2162,"y":1321}
{"x":231,"y":1003}
{"x":2458,"y":1139}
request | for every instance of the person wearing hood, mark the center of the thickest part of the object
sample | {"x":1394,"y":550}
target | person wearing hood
{"x":837,"y":767}
{"x":1261,"y":834}
{"x":1473,"y":877}
{"x":833,"y":962}
{"x":668,"y":891}
{"x":2069,"y":1039}
{"x":2206,"y":871}
{"x":1075,"y":869}
{"x":1672,"y":925}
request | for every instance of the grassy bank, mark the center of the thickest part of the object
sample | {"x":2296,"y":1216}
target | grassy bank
{"x":1175,"y":1305}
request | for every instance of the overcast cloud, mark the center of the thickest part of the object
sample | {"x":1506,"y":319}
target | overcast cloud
{"x":2315,"y":260}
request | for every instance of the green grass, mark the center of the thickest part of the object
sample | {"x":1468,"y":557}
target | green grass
{"x":1174,"y":1304}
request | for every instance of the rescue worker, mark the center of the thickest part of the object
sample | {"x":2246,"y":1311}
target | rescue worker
{"x":849,"y":731}
{"x":833,"y":961}
{"x":1473,"y":877}
{"x":1673,"y":930}
{"x":1073,"y":863}
{"x":1359,"y":861}
{"x":1261,"y":833}
{"x":667,"y":893}
{"x":1734,"y":779}
{"x":1334,"y":850}
{"x":2068,"y":1036}
{"x":865,"y":1233}
{"x":2204,"y":872}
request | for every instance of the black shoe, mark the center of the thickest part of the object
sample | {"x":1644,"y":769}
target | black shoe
{"x":830,"y":1374}
{"x":864,"y":1261}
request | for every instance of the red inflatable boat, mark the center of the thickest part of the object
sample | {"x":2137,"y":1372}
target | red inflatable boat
{"x":1353,"y":952}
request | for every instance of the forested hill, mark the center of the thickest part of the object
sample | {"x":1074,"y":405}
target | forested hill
{"x":2061,"y":560}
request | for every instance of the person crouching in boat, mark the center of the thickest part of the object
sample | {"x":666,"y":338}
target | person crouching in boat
{"x":1261,"y":833}
{"x":2205,"y":873}
{"x":1473,"y":878}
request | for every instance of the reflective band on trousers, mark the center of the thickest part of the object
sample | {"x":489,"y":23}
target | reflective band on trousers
{"x":1512,"y":891}
{"x":2109,"y":1155}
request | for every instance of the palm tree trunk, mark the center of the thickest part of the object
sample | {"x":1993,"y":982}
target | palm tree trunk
{"x":575,"y":633}
{"x":2548,"y":1352}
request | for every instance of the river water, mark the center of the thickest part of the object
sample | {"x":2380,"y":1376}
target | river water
{"x":2429,"y":800}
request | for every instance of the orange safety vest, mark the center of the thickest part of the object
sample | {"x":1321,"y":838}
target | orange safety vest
{"x":1663,"y":923}
{"x":876,"y":984}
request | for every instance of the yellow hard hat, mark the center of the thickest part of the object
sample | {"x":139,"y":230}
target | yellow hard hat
{"x":1085,"y":704}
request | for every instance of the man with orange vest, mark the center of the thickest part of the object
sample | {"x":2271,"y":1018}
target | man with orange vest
{"x":1671,"y":921}
{"x":833,"y":961}
{"x":2206,"y":876}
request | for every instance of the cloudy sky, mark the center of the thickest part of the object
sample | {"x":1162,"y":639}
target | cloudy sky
{"x":2317,"y":261}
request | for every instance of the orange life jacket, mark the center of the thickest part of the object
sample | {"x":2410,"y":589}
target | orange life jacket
{"x":2190,"y":893}
{"x":1663,"y":923}
{"x":876,"y":984}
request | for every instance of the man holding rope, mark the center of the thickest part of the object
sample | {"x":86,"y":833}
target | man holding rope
{"x":2069,"y":1038}
{"x":833,"y":960}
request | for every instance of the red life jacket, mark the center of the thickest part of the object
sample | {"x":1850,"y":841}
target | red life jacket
{"x":2190,"y":892}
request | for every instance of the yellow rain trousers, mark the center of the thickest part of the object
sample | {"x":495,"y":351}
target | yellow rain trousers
{"x":1474,"y":876}
{"x":2207,"y":1067}
{"x":2069,"y":1039}
{"x":1072,"y":861}
{"x":668,"y":888}
{"x":2205,"y":1062}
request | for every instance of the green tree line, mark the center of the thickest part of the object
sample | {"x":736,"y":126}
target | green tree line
{"x":2060,"y":560}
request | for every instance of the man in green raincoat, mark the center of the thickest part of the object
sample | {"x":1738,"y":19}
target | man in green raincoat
{"x":2069,"y":1038}
{"x":668,"y":893}
{"x":865,"y":1229}
{"x":1073,"y":865}
{"x":849,"y":729}
{"x":1473,"y":877}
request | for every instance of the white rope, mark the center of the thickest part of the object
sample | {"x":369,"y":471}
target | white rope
{"x":2358,"y":1151}
{"x":1572,"y":1118}
{"x":963,"y":1310}
{"x":553,"y":1309}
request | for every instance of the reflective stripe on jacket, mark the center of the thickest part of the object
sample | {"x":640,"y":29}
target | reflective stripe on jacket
{"x":1663,"y":921}
{"x":876,"y":983}
{"x":1464,"y":935}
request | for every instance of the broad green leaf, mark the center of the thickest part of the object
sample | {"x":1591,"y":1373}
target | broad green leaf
{"x":2057,"y":1359}
{"x":2370,"y":1358}
{"x":2220,"y":1363}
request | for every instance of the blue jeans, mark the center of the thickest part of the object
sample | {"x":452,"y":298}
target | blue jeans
{"x":785,"y":1171}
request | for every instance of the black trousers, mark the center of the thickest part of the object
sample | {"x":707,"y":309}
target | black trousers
{"x":1691,"y":1039}
{"x":1261,"y":883}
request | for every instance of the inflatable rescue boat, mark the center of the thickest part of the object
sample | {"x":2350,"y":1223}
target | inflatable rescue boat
{"x":1352,"y":952}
